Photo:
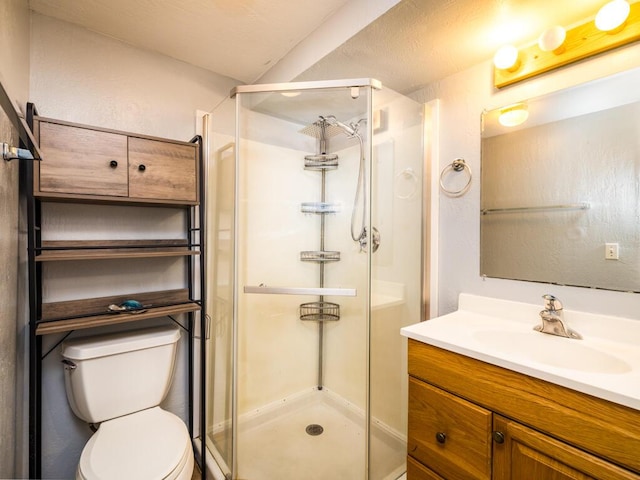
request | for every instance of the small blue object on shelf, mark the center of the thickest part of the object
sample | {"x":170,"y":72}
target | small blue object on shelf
{"x":128,"y":306}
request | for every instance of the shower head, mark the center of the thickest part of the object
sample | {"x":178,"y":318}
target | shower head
{"x":350,"y":130}
{"x":321,"y":128}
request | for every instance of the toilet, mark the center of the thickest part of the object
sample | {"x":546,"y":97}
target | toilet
{"x":118,"y":381}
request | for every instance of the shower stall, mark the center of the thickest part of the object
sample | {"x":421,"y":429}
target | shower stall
{"x":314,"y":240}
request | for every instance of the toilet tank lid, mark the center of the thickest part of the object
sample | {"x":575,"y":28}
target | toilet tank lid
{"x":84,"y":348}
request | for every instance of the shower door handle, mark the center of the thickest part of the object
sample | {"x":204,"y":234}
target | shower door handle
{"x":338,"y":292}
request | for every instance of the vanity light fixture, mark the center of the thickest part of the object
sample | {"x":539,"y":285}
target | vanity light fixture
{"x":507,"y":58}
{"x":552,"y":40}
{"x":513,"y":115}
{"x":616,"y":24}
{"x":611,"y":16}
{"x":290,"y":94}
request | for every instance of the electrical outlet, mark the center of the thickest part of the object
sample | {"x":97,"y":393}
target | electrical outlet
{"x":611,"y":251}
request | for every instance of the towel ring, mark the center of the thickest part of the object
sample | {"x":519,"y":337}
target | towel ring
{"x":458,"y":165}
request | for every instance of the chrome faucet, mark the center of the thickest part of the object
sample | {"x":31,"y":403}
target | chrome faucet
{"x":553,"y":320}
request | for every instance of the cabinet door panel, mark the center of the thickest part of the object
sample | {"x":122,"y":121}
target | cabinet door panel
{"x":80,"y":161}
{"x":448,"y":434}
{"x":417,"y":471}
{"x":528,"y":454}
{"x":160,"y":170}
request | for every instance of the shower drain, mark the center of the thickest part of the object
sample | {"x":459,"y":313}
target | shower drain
{"x":314,"y":429}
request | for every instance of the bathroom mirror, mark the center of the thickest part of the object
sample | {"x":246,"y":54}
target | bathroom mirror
{"x":560,"y":192}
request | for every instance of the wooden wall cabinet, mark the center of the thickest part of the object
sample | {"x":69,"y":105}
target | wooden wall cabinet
{"x":99,"y":164}
{"x":471,"y":420}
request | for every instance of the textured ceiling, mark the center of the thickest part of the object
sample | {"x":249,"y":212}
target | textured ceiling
{"x":240,"y":39}
{"x":414,"y":43}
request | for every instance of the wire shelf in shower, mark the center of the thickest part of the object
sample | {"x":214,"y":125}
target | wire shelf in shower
{"x":320,"y":311}
{"x":319,"y":207}
{"x":319,"y":256}
{"x":321,"y":161}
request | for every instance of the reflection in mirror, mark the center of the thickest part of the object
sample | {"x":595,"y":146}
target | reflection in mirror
{"x":560,"y":192}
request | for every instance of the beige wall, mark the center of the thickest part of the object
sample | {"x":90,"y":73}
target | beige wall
{"x":462,"y":98}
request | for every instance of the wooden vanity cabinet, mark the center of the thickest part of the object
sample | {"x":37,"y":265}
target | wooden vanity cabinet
{"x":99,"y":164}
{"x":472,"y":420}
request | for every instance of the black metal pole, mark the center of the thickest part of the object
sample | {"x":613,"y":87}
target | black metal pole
{"x":34,"y":273}
{"x":203,"y":319}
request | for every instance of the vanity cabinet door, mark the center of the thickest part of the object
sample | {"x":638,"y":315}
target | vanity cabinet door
{"x":528,"y":454}
{"x":161,"y":170}
{"x":81,"y":161}
{"x":417,"y":471}
{"x":448,"y":434}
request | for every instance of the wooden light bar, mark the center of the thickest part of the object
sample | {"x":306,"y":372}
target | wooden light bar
{"x":582,"y":41}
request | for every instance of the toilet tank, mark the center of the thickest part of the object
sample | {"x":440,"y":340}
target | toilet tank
{"x":111,"y":375}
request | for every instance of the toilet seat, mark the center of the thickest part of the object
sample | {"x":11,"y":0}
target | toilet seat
{"x":151,"y":444}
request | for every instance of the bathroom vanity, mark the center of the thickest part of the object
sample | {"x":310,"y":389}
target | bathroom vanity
{"x":488,"y":401}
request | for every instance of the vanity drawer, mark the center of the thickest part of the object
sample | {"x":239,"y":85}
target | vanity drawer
{"x":451,"y":435}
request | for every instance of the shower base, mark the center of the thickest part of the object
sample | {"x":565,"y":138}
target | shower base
{"x":273,"y":444}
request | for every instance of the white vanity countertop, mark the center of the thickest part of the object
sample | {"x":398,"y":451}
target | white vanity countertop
{"x":605,"y":363}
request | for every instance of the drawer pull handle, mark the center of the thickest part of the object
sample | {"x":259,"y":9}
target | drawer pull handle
{"x":441,"y":437}
{"x":142,"y":168}
{"x":498,"y":437}
{"x":113,"y":164}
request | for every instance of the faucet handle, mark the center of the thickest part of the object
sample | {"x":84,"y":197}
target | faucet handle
{"x":551,"y":303}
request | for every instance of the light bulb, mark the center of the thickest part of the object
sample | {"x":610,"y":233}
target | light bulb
{"x":513,"y":115}
{"x":551,"y":39}
{"x":506,"y":58}
{"x":612,"y":16}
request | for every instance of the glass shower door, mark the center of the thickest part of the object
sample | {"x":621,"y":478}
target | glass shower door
{"x":396,"y":273}
{"x":302,"y":286}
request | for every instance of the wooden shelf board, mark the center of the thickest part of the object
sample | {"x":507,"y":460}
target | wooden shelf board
{"x":106,"y":254}
{"x":60,"y":326}
{"x":107,"y":249}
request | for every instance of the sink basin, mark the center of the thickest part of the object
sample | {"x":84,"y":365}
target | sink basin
{"x":552,"y":350}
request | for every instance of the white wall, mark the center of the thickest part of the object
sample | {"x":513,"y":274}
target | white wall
{"x":83,"y":77}
{"x":462,"y":98}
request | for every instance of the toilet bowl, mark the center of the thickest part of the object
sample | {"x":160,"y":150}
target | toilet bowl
{"x":118,"y":381}
{"x":149,"y":444}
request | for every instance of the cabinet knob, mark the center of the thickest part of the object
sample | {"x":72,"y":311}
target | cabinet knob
{"x":441,"y":437}
{"x":498,"y":437}
{"x":142,"y":168}
{"x":113,"y":164}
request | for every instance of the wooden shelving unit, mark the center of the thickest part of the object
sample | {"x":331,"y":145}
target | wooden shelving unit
{"x":88,"y":165}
